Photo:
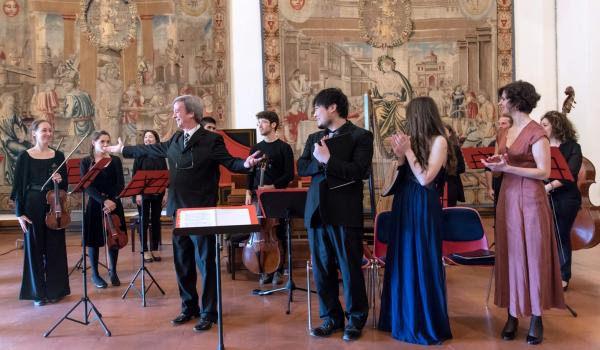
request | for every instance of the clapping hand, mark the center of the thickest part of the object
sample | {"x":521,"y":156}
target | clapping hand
{"x":400,"y":144}
{"x":253,"y":159}
{"x":496,"y":163}
{"x":118,"y":148}
{"x":321,"y":151}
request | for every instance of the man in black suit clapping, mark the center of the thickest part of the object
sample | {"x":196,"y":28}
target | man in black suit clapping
{"x":194,"y":155}
{"x":334,"y":214}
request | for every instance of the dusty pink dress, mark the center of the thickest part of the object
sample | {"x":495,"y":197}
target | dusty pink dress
{"x":527,"y":266}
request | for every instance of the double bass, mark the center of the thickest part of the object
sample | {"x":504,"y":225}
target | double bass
{"x":585,"y":232}
{"x":261,"y":251}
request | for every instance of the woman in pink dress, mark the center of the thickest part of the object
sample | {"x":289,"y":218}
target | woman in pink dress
{"x":527,"y":272}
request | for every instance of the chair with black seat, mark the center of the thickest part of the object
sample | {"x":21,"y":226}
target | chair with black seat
{"x":464,"y":241}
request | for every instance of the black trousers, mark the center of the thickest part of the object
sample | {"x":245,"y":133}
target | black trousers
{"x":334,"y":247}
{"x":152,"y":209}
{"x":189,"y":252}
{"x":566,"y":212}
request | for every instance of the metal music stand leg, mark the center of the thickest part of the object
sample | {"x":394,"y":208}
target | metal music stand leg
{"x":88,"y":306}
{"x":290,"y":286}
{"x":220,"y":345}
{"x":143,"y":270}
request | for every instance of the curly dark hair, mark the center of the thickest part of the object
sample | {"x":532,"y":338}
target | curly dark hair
{"x":423,"y":124}
{"x":521,"y":95}
{"x":153,"y":132}
{"x":562,"y":128}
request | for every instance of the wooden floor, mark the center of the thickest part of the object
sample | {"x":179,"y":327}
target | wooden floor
{"x":253,"y":322}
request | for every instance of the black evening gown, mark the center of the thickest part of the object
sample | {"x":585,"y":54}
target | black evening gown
{"x":107,"y":185}
{"x":413,"y":300}
{"x":45,"y":269}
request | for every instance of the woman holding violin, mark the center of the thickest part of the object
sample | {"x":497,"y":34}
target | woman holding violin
{"x":45,"y":270}
{"x":152,"y":203}
{"x":564,"y":195}
{"x":104,"y":216}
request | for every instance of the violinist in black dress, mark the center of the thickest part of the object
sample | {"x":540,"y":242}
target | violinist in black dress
{"x":45,"y":271}
{"x":102,"y":193}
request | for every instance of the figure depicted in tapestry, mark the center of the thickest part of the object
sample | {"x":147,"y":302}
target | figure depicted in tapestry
{"x":78,"y":107}
{"x":109,"y":92}
{"x":173,"y":58}
{"x":160,"y":109}
{"x":13,"y":135}
{"x":132,"y":103}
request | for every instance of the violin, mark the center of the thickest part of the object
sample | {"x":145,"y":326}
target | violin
{"x":115,"y":238}
{"x":585,"y":232}
{"x":261,"y":251}
{"x":58,"y":216}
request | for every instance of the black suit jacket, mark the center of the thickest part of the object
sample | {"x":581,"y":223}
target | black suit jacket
{"x":341,"y":206}
{"x":193,"y":171}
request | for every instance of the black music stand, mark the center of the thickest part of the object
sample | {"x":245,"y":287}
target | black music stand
{"x":85,"y":182}
{"x":559,"y":170}
{"x":145,"y":182}
{"x":284,"y":204}
{"x":73,"y":175}
{"x":205,"y":231}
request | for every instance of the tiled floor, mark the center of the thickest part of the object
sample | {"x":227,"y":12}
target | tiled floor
{"x":253,"y":322}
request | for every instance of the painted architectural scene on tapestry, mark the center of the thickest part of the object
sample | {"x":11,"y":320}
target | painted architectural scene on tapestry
{"x":397,"y":50}
{"x":117,"y":68}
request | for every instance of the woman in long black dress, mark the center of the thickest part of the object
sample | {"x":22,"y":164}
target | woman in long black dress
{"x":565,"y":196}
{"x":102,"y":194}
{"x":456,"y":192}
{"x":413,"y":301}
{"x":152,"y":203}
{"x":45,"y":271}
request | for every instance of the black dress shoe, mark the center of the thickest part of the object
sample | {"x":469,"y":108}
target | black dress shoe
{"x":203,"y":324}
{"x":40,"y":302}
{"x":351,"y":333}
{"x":536,"y":331}
{"x":99,"y":282}
{"x":326,"y":329}
{"x":114,"y":280}
{"x":182,"y":318}
{"x":509,"y":332}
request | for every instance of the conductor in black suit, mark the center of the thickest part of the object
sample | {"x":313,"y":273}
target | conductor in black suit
{"x":334,"y":216}
{"x":194,"y":155}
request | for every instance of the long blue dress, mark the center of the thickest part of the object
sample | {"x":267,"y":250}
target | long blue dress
{"x":413,"y":301}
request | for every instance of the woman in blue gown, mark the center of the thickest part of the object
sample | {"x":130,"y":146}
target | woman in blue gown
{"x":413,"y":301}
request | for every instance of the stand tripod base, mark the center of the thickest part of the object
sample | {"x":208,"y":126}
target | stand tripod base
{"x":79,"y":265}
{"x":86,"y":321}
{"x":143,"y":290}
{"x":290,"y":287}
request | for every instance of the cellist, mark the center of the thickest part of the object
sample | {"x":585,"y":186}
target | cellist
{"x":278,"y":174}
{"x":103,"y":192}
{"x":565,"y":196}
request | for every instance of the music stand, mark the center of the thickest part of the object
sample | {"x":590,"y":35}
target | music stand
{"x":474,"y":155}
{"x":210,"y":230}
{"x":73,"y":175}
{"x":284,"y":204}
{"x":145,"y":182}
{"x":85,"y":182}
{"x":559,"y":170}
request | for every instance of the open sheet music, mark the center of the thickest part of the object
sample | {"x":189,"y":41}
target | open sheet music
{"x":211,"y":217}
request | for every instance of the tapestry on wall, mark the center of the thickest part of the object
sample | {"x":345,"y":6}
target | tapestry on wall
{"x":456,"y":51}
{"x":115,"y":65}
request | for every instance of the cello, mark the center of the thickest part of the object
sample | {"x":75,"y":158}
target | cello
{"x":585,"y":232}
{"x":261,"y":251}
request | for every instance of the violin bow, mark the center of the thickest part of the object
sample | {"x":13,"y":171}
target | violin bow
{"x":66,"y":158}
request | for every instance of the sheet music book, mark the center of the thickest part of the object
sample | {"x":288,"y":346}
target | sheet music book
{"x":340,"y":147}
{"x":216,"y":216}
